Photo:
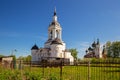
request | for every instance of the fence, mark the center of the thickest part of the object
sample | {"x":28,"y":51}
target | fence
{"x":83,"y":70}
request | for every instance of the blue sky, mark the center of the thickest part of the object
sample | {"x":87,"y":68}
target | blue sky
{"x":25,"y":22}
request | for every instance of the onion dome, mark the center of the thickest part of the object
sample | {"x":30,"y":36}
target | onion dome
{"x":86,"y":51}
{"x":35,"y":47}
{"x":103,"y":46}
{"x":94,"y":44}
{"x":55,"y":22}
{"x":98,"y":41}
{"x":56,"y":41}
{"x":55,"y":12}
{"x":90,"y":49}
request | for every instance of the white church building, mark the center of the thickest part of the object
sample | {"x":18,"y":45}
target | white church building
{"x":54,"y":48}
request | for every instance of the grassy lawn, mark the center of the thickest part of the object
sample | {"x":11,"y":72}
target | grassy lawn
{"x":68,"y":73}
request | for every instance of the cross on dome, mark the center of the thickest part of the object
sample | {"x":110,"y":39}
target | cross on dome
{"x":55,"y":16}
{"x":55,"y":11}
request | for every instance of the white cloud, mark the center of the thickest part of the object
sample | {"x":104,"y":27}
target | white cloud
{"x":84,"y":44}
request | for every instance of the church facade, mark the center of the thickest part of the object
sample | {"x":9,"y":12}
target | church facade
{"x":54,"y":48}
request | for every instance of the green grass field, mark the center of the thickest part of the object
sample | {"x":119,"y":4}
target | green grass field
{"x":68,"y":73}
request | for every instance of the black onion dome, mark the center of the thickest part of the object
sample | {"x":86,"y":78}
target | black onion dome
{"x":94,"y":44}
{"x":56,"y":41}
{"x":90,"y":49}
{"x":55,"y":13}
{"x":98,"y":41}
{"x":35,"y":47}
{"x":86,"y":51}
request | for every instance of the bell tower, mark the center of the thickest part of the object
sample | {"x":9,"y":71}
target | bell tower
{"x":54,"y":30}
{"x":54,"y":48}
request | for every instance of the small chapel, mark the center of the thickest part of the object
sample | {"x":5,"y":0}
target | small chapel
{"x":54,"y":48}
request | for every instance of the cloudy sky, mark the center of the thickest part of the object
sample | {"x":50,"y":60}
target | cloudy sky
{"x":24,"y":23}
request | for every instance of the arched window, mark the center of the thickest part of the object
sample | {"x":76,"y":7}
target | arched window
{"x":57,"y":33}
{"x":51,"y":34}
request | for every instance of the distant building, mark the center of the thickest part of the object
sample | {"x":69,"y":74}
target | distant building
{"x":6,"y":61}
{"x":94,"y":51}
{"x":54,"y":47}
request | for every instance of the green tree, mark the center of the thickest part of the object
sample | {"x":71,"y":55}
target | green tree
{"x":28,"y":58}
{"x":74,"y":52}
{"x":21,"y":58}
{"x":108,"y":47}
{"x":113,"y":49}
{"x":25,"y":58}
{"x":1,"y":55}
{"x":14,"y":61}
{"x":116,"y":49}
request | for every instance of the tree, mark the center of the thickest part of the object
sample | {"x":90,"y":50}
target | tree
{"x":74,"y":52}
{"x":108,"y":47}
{"x":14,"y":61}
{"x":1,"y":55}
{"x":14,"y":58}
{"x":25,"y":58}
{"x":116,"y":49}
{"x":113,"y":49}
{"x":28,"y":58}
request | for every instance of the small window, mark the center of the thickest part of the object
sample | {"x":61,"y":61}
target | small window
{"x":57,"y":32}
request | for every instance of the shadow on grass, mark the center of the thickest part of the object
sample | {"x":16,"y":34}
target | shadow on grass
{"x":111,"y":71}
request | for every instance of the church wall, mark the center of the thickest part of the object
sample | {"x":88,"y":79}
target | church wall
{"x":34,"y":55}
{"x":47,"y":45}
{"x":69,"y":56}
{"x":57,"y":50}
{"x":97,"y":51}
